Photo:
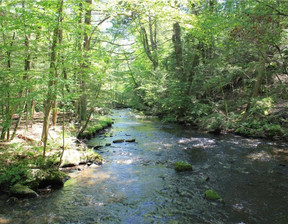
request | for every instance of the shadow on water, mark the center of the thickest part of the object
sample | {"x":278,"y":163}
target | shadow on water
{"x":138,"y":184}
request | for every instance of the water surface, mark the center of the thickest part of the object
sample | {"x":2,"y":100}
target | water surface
{"x":138,"y":184}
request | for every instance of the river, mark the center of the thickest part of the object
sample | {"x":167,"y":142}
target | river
{"x":138,"y":184}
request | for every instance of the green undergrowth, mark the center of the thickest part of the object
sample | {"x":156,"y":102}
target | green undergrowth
{"x":261,"y":128}
{"x":25,"y":165}
{"x":18,"y":162}
{"x":95,"y":126}
{"x":262,"y":120}
{"x":23,"y":162}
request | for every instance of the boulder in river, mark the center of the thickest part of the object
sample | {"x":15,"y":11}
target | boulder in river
{"x":181,"y":166}
{"x":69,"y":165}
{"x":75,"y":157}
{"x":40,"y":178}
{"x":130,"y":140}
{"x":54,"y":178}
{"x":118,"y":141}
{"x":21,"y":191}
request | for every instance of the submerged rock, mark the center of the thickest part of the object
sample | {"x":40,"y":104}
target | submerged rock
{"x":212,"y":195}
{"x":181,"y":166}
{"x":130,"y":140}
{"x":98,"y":147}
{"x":21,"y":191}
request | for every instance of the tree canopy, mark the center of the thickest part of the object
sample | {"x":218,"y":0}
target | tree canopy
{"x":220,"y":65}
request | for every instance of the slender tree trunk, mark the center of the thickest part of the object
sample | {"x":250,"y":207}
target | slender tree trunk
{"x":51,"y":95}
{"x":258,"y":83}
{"x":63,"y":128}
{"x":9,"y":108}
{"x":178,"y":50}
{"x":27,"y":67}
{"x":60,"y":39}
{"x":195,"y":63}
{"x":86,"y":123}
{"x":54,"y":113}
{"x":150,"y":49}
{"x":131,"y":73}
{"x":18,"y":121}
{"x":85,"y":65}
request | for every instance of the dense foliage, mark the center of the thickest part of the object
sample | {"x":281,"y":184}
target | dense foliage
{"x":220,"y":65}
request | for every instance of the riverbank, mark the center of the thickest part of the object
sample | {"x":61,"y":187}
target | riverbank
{"x":24,"y":170}
{"x":266,"y":119}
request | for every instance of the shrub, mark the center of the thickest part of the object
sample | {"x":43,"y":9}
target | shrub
{"x":14,"y":173}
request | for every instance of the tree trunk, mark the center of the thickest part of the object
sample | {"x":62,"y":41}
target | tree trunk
{"x":52,"y":91}
{"x":27,"y":68}
{"x":63,"y":128}
{"x":55,"y":113}
{"x":86,"y":123}
{"x":257,"y":84}
{"x":150,"y":49}
{"x":178,"y":50}
{"x":9,"y":108}
{"x":85,"y":65}
{"x":18,"y":121}
{"x":195,"y":63}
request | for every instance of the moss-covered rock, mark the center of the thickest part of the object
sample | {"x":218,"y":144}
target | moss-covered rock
{"x":21,"y":191}
{"x":92,"y":157}
{"x":181,"y":166}
{"x":212,"y":195}
{"x":42,"y":178}
{"x":53,"y":178}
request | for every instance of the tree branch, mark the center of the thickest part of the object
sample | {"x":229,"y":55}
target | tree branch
{"x":271,"y":7}
{"x":120,"y":45}
{"x":93,"y":31}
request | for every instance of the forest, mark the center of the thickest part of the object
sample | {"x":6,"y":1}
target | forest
{"x":220,"y":66}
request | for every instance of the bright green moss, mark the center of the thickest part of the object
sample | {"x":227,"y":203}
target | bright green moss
{"x":182,"y":166}
{"x":212,"y":195}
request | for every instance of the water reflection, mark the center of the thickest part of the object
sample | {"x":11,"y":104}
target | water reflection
{"x":260,"y":156}
{"x":4,"y":220}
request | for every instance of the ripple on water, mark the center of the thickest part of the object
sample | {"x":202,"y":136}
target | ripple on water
{"x":138,"y":183}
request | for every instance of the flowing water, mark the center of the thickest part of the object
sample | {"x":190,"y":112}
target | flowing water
{"x":138,"y":184}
